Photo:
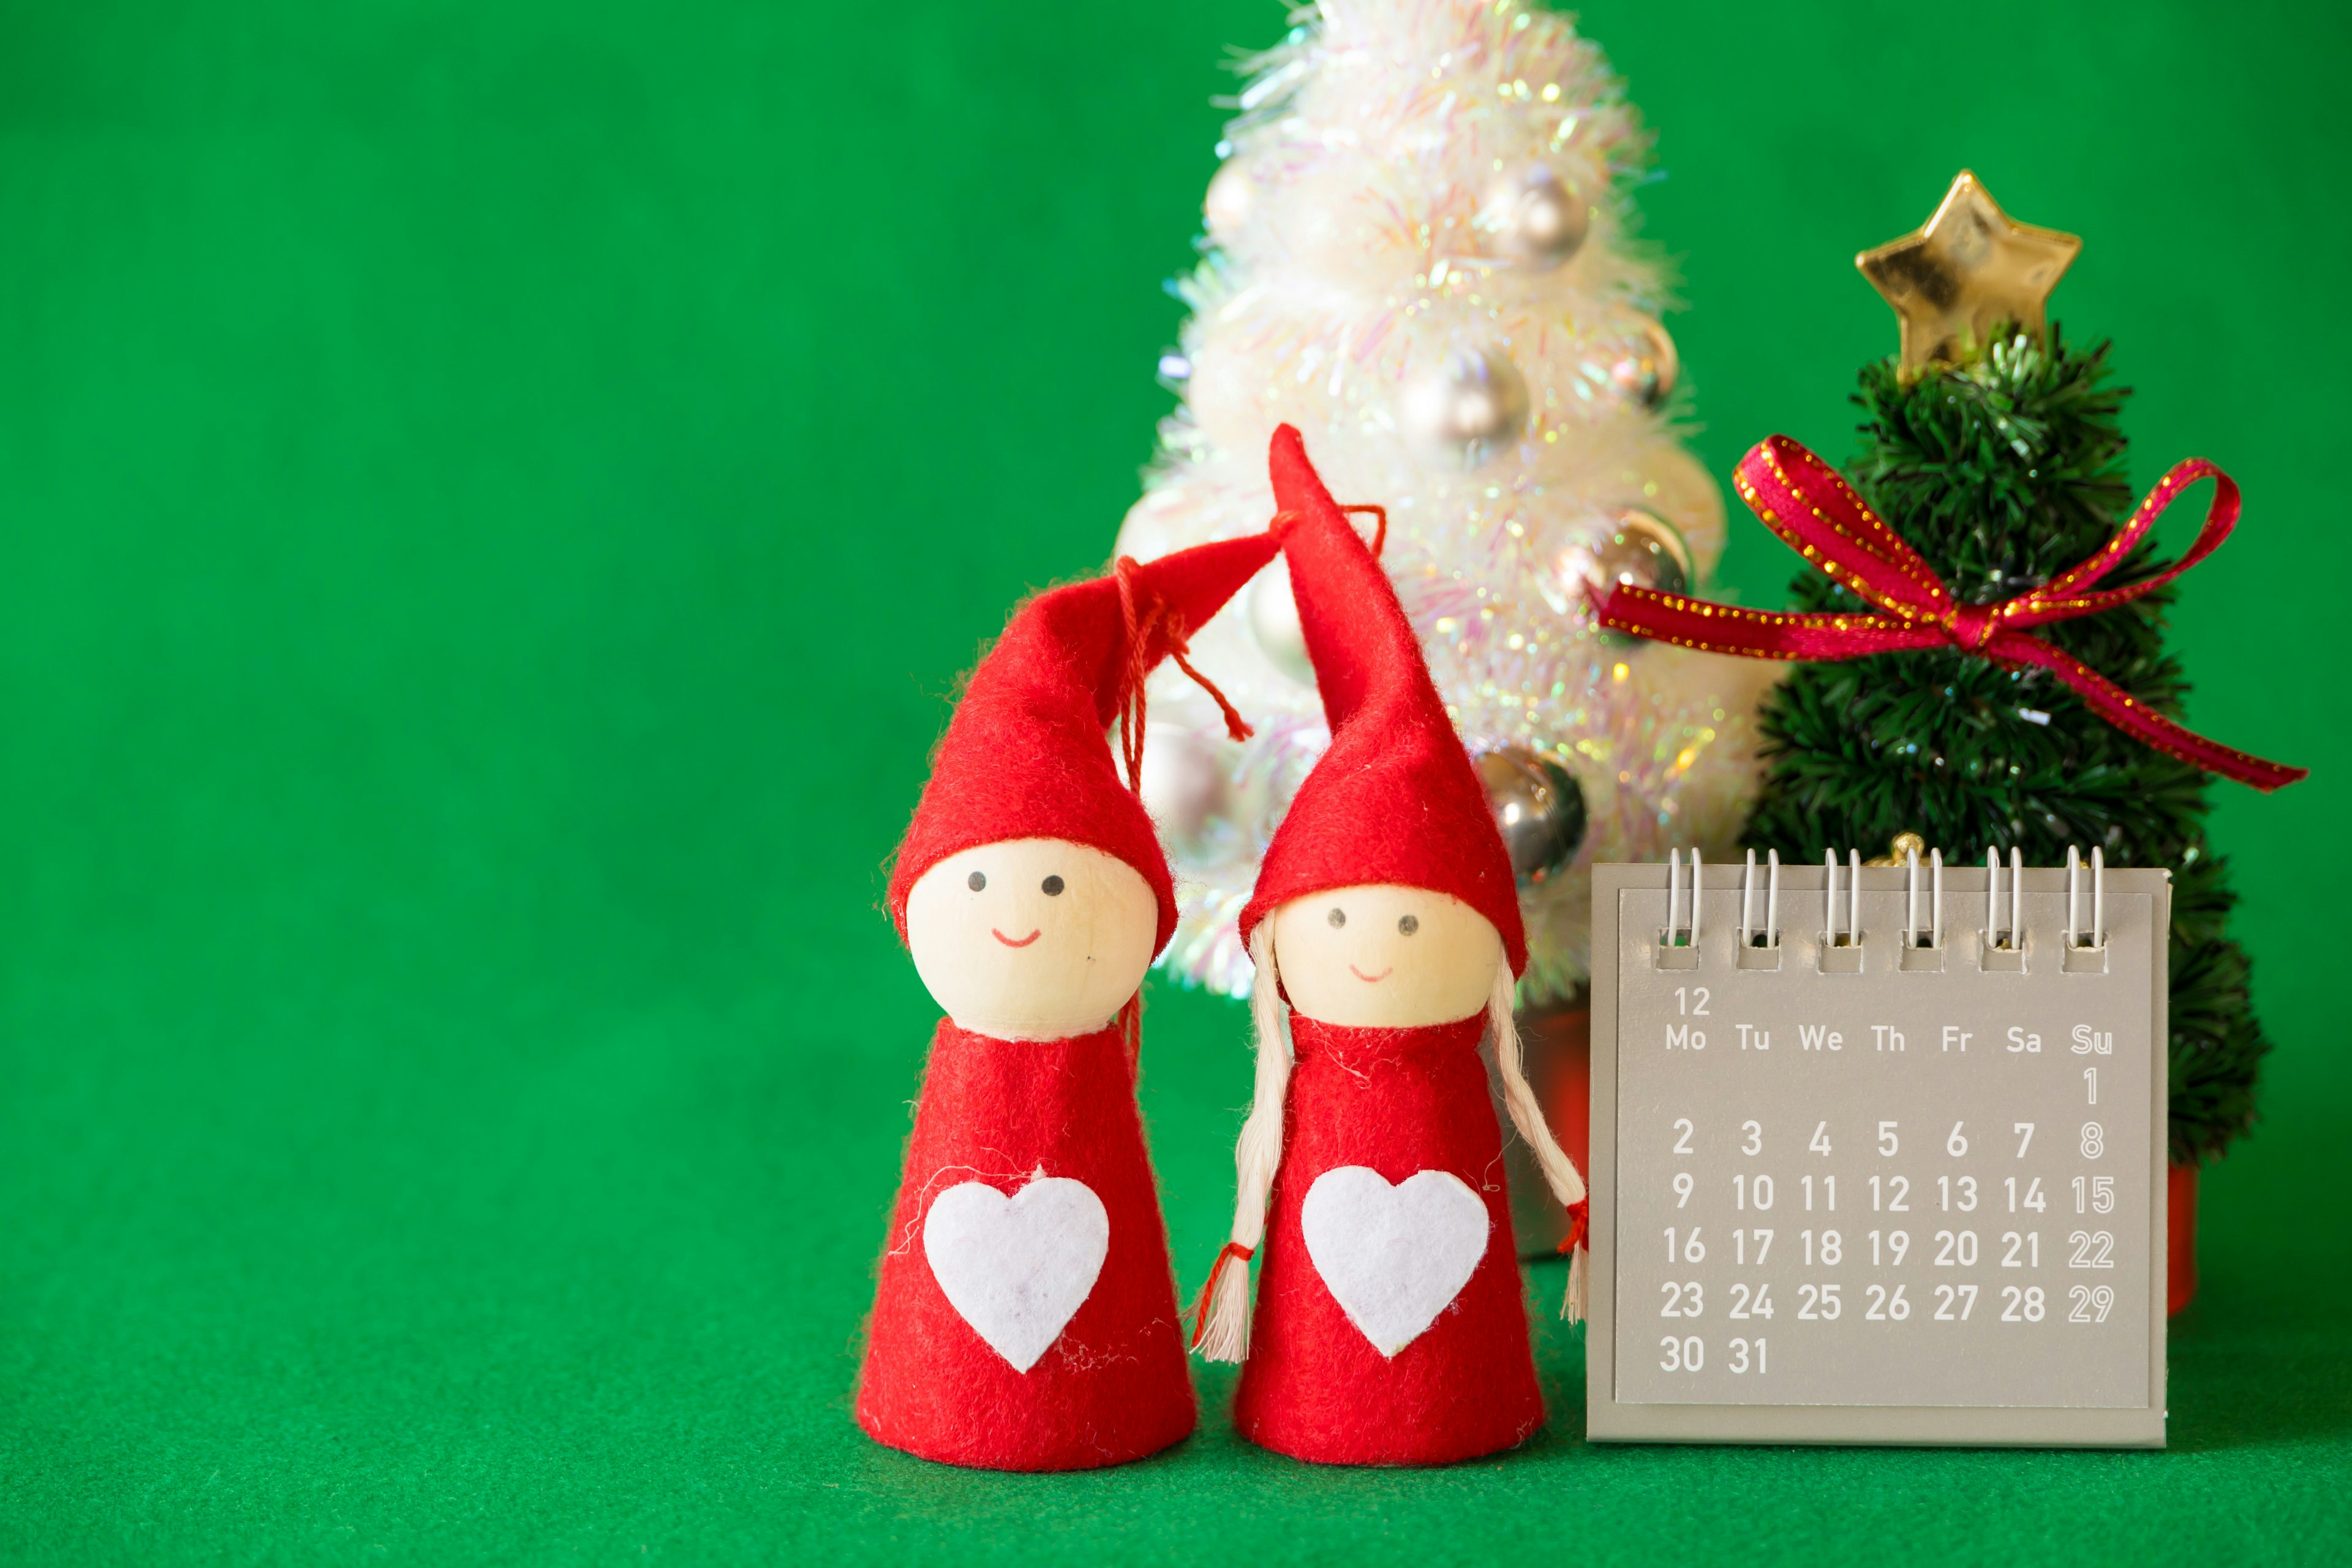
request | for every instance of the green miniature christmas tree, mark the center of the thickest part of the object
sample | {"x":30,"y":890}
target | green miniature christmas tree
{"x":2003,"y":474}
{"x":1995,"y":451}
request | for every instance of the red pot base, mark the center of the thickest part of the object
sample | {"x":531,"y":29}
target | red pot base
{"x":2180,"y":1238}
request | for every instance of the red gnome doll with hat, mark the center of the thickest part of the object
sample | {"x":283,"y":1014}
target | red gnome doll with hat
{"x":1390,"y":1328}
{"x":1024,"y":1314}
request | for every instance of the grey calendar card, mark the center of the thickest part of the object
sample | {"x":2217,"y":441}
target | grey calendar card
{"x":1897,"y":1190}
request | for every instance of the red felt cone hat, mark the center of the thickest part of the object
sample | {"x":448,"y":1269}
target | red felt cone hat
{"x":1027,"y":754}
{"x":1395,"y":799}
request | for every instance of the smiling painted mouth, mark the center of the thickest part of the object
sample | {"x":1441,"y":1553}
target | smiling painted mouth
{"x":1372,"y":979}
{"x":1008,"y":942}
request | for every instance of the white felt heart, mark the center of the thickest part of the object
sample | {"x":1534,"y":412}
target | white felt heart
{"x":1017,"y":1267}
{"x":1393,"y":1256}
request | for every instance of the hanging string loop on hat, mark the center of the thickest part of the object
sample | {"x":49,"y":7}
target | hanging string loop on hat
{"x":1381,"y":534}
{"x":1283,"y":521}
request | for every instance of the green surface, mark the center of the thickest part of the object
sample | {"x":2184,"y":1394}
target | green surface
{"x":490,"y":497}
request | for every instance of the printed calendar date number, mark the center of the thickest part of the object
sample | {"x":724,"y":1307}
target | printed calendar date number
{"x":2092,"y":1249}
{"x":2092,"y":1303}
{"x":2022,"y":1306}
{"x":1687,"y":1353}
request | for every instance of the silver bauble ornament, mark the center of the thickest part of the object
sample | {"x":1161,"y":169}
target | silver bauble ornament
{"x":1537,"y":219}
{"x":1227,"y":207}
{"x":1274,"y":622}
{"x":1539,"y":809}
{"x":1634,"y":546}
{"x":1463,"y":408}
{"x":1646,"y":374}
{"x":1184,"y":786}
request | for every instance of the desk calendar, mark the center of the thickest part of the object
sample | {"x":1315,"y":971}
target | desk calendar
{"x":1878,"y":1154}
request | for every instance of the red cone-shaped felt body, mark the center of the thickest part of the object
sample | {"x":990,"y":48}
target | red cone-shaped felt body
{"x":1395,"y":799}
{"x":1389,"y":1210}
{"x":1025,"y":757}
{"x":1027,"y":1231}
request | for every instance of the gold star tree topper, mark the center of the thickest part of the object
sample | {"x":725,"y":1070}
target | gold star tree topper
{"x":1965,"y":272}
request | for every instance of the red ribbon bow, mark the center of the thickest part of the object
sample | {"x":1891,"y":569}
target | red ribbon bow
{"x":1814,"y":511}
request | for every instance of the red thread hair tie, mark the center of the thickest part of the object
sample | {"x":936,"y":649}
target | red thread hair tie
{"x":1231,"y":1251}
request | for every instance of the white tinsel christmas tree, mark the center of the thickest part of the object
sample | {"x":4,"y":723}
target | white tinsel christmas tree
{"x":1418,"y":252}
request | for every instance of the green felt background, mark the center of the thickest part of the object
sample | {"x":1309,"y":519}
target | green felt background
{"x":490,"y":500}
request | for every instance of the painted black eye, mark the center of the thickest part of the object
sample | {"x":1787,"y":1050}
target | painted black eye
{"x":1408,"y":924}
{"x":976,"y":881}
{"x":1338,"y":917}
{"x":1053,"y":886}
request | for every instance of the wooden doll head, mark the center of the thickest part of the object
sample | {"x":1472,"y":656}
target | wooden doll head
{"x":1031,"y":939}
{"x":1384,"y":957}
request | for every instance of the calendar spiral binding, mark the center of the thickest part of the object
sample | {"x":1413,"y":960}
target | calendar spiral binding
{"x":1920,"y":947}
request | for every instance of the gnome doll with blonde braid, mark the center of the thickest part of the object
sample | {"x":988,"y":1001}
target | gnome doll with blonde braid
{"x":1025,"y":1313}
{"x":1390,"y":1328}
